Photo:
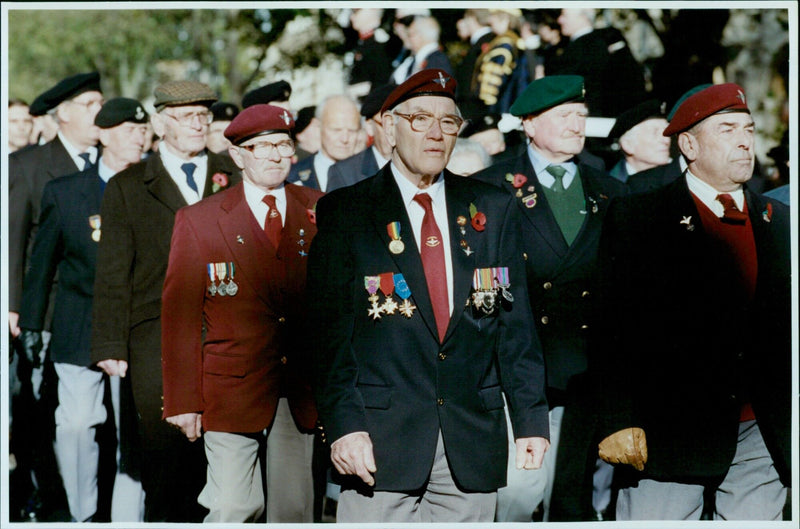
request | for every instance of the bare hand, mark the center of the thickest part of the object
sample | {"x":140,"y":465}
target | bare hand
{"x":13,"y":324}
{"x":530,"y":452}
{"x":114,"y":367}
{"x":352,"y":455}
{"x":191,"y":424}
{"x":628,"y":446}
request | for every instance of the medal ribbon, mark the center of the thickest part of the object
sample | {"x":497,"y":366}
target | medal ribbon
{"x":502,"y":276}
{"x":386,"y":284}
{"x":221,"y":271}
{"x":393,"y":228}
{"x":212,"y":273}
{"x":230,"y":268}
{"x":401,"y":287}
{"x":371,"y":283}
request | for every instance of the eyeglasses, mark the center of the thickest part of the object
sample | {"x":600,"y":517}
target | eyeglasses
{"x":423,"y":121}
{"x":263,"y":149}
{"x":187,"y":120}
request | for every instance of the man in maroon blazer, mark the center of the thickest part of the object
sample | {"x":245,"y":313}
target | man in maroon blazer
{"x":234,"y":361}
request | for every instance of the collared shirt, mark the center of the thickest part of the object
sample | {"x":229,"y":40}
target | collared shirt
{"x":173,"y":166}
{"x":379,"y":157}
{"x":540,"y":164}
{"x":74,"y":152}
{"x":580,"y":33}
{"x":321,"y":165}
{"x":708,"y":195}
{"x":104,"y":171}
{"x":254,"y":195}
{"x":416,"y":212}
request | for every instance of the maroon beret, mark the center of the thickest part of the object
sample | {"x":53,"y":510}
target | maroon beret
{"x":258,"y":120}
{"x":728,"y":97}
{"x":431,"y":82}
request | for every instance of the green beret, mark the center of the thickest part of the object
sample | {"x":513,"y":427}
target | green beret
{"x":68,"y":88}
{"x":548,"y":92}
{"x":119,"y":110}
{"x":179,"y":93}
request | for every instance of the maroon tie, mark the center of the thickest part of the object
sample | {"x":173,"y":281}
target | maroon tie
{"x":272,"y":224}
{"x":432,"y":253}
{"x":731,"y":215}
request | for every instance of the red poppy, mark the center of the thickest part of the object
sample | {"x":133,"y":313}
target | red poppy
{"x":221,"y":179}
{"x":479,"y":221}
{"x":312,"y":216}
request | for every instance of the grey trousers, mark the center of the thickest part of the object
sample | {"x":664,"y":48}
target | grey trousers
{"x":441,"y":501}
{"x":751,"y":489}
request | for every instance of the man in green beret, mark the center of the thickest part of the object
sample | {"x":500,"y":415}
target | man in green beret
{"x":69,"y":231}
{"x":138,"y":213}
{"x":563,"y":202}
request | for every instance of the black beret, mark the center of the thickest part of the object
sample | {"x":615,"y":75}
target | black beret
{"x":258,"y":120}
{"x":65,"y":89}
{"x":374,"y":100}
{"x":430,"y":82}
{"x":119,"y":110}
{"x":304,"y":117}
{"x":549,"y":91}
{"x":224,"y":111}
{"x":277,"y":91}
{"x":179,"y":93}
{"x":652,"y":108}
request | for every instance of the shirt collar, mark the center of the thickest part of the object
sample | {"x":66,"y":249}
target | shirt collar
{"x":540,"y":164}
{"x":708,"y":195}
{"x":408,"y":190}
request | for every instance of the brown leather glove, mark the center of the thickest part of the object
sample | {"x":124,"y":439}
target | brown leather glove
{"x":628,"y":446}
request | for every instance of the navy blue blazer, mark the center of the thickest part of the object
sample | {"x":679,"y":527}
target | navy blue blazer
{"x":351,"y":170}
{"x":64,"y":244}
{"x":303,"y":172}
{"x":392,"y":377}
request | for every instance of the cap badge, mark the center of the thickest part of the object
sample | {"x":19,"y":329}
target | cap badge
{"x":441,"y":80}
{"x":139,"y":113}
{"x":286,"y":117}
{"x":740,"y":96}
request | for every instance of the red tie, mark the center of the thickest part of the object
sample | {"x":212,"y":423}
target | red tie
{"x":731,"y":215}
{"x":272,"y":224}
{"x":432,"y":253}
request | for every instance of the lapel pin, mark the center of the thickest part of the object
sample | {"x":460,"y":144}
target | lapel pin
{"x":688,"y":222}
{"x":239,"y":239}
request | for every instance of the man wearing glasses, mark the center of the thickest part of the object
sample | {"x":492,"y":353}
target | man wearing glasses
{"x":422,"y":322}
{"x":235,"y":363}
{"x":137,"y":215}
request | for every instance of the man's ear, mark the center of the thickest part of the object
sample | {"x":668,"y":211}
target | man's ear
{"x":387,"y":122}
{"x":157,"y":121}
{"x":688,"y":145}
{"x":236,"y":156}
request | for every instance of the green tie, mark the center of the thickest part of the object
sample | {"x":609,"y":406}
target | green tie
{"x":558,"y":173}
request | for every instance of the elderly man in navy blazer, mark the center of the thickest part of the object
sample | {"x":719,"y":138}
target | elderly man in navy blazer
{"x":417,"y":287}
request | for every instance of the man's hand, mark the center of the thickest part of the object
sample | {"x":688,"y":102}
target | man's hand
{"x":530,"y":452}
{"x":113,"y":367}
{"x":13,"y":324}
{"x":352,"y":455}
{"x":191,"y":424}
{"x":32,"y":345}
{"x":628,"y":446}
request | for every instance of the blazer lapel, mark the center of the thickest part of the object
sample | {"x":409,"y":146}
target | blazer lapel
{"x":159,"y":183}
{"x":389,"y":208}
{"x":213,"y":167}
{"x":61,"y":163}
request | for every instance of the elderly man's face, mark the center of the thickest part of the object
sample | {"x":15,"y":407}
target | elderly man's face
{"x":125,"y":142}
{"x":77,"y":115}
{"x":339,"y":129}
{"x":720,"y":150}
{"x":183,"y":129}
{"x":645,"y":145}
{"x":559,"y":132}
{"x":216,"y":140}
{"x":420,"y":154}
{"x":268,"y":169}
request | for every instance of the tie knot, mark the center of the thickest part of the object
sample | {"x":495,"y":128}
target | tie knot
{"x":727,"y":201}
{"x":270,"y":201}
{"x":557,"y":171}
{"x":189,"y":168}
{"x":87,"y":160}
{"x":731,"y":213}
{"x":424,"y":200}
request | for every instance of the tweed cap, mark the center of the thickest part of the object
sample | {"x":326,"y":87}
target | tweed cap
{"x":374,"y":100}
{"x":728,"y":97}
{"x":684,"y":97}
{"x":223,"y":111}
{"x":258,"y":120}
{"x":179,"y":93}
{"x":547,"y":92}
{"x":650,"y":109}
{"x":119,"y":110}
{"x":430,"y":82}
{"x":304,"y":117}
{"x":65,"y":89}
{"x":264,"y":95}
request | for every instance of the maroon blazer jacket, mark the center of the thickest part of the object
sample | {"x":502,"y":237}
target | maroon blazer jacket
{"x":231,"y":357}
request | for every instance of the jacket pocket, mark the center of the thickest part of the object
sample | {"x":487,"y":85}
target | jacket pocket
{"x":232,"y":366}
{"x":377,"y":397}
{"x":491,"y":398}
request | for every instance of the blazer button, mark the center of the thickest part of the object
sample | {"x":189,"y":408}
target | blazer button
{"x":442,"y":356}
{"x":584,"y":327}
{"x":281,"y":320}
{"x":547,"y":286}
{"x":585,"y":294}
{"x":440,"y":401}
{"x":525,"y":256}
{"x":284,"y":360}
{"x":162,"y":408}
{"x":545,"y":320}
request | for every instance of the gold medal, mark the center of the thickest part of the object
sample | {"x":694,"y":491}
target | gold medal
{"x":396,"y":246}
{"x":96,"y":235}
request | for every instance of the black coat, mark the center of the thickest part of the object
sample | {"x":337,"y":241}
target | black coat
{"x":303,"y":172}
{"x":351,"y":170}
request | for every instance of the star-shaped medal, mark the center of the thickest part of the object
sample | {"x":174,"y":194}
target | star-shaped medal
{"x":407,"y":309}
{"x":389,"y":305}
{"x":375,"y":311}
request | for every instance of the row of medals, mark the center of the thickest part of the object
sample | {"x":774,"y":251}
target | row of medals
{"x":221,"y":270}
{"x":389,"y":306}
{"x":223,"y":289}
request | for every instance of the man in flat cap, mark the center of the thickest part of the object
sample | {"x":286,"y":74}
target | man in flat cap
{"x":562,"y":201}
{"x":340,"y":126}
{"x":138,"y":212}
{"x":422,"y":324}
{"x":695,"y":334}
{"x":638,"y":134}
{"x":74,"y":102}
{"x":235,"y":360}
{"x":69,"y":231}
{"x":365,"y":163}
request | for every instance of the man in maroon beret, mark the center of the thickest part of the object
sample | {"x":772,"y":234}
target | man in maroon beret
{"x":235,"y":363}
{"x":695,"y":330}
{"x":422,"y":323}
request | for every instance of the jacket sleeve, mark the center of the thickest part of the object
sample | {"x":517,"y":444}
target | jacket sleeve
{"x":20,"y":221}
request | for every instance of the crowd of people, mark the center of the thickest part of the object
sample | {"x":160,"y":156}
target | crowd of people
{"x":428,"y":299}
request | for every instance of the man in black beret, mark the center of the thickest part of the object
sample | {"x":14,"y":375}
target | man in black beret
{"x":638,"y":133}
{"x":277,"y":94}
{"x":70,"y":229}
{"x":563,"y":201}
{"x":138,"y":212}
{"x":306,"y":132}
{"x":74,"y":102}
{"x":223,"y":113}
{"x":422,"y":322}
{"x":367,"y":162}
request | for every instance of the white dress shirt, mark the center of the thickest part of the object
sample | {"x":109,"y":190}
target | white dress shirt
{"x":708,"y":195}
{"x":254,"y":196}
{"x":321,"y":165}
{"x":172,"y":163}
{"x":74,"y":152}
{"x":540,"y":164}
